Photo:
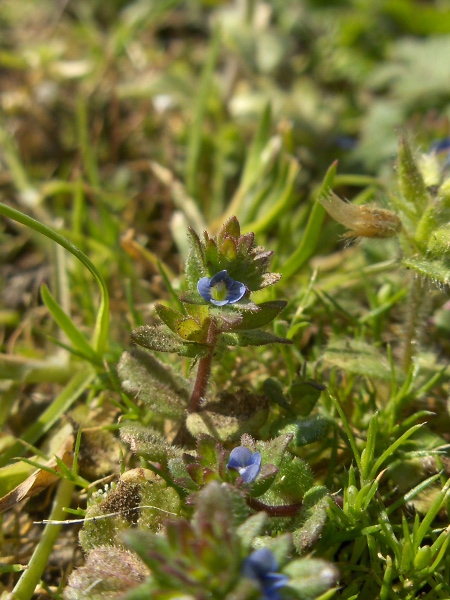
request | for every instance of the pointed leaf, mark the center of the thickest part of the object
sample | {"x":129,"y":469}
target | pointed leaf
{"x":169,"y":316}
{"x":195,"y":267}
{"x":228,"y":249}
{"x":357,"y":356}
{"x":245,"y":244}
{"x":230,"y":228}
{"x":266,"y":313}
{"x":161,"y":339}
{"x":251,"y":528}
{"x":212,"y":257}
{"x":253,"y":338}
{"x":412,"y":184}
{"x":265,"y":479}
{"x":196,"y":473}
{"x":153,"y":382}
{"x":304,"y":396}
{"x":147,"y":442}
{"x":306,"y":431}
{"x":190,"y":330}
{"x":438,"y":271}
{"x":207,"y":450}
{"x":77,"y":339}
{"x":314,"y":515}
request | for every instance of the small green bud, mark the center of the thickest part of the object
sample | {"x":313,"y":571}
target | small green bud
{"x":362,"y":221}
{"x":423,"y":558}
{"x":412,"y":184}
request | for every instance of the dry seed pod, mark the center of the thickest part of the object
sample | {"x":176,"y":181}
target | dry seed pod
{"x":362,"y":221}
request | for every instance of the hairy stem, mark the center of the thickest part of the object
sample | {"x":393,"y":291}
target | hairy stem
{"x":281,"y":510}
{"x":416,"y":316}
{"x":204,"y":369}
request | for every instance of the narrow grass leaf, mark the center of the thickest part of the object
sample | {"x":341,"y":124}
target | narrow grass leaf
{"x":195,"y":137}
{"x":392,"y":448}
{"x":61,"y":404}
{"x":65,"y":323}
{"x":312,"y":232}
{"x":100,"y":337}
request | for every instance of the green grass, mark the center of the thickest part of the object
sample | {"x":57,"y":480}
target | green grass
{"x":125,"y":123}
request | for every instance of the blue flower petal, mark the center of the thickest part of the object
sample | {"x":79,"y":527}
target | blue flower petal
{"x":245,"y":461}
{"x":262,"y":561}
{"x":239,"y":457}
{"x":219,"y":277}
{"x":221,"y":289}
{"x":235,"y":291}
{"x":261,"y":566}
{"x":203,"y":288}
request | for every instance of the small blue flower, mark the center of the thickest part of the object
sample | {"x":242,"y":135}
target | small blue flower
{"x":220,"y":289}
{"x":245,"y":461}
{"x":261,"y":566}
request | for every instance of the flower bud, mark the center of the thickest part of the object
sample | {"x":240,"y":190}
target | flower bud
{"x":362,"y":221}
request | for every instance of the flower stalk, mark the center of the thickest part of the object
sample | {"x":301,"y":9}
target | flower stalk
{"x":204,"y":369}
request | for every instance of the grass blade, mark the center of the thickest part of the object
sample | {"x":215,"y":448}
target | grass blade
{"x":100,"y":337}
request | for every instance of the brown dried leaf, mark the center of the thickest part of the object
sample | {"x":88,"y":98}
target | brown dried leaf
{"x":40,"y":479}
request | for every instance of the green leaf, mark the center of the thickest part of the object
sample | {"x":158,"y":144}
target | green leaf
{"x":100,"y":337}
{"x":77,"y":339}
{"x":304,"y":396}
{"x":169,"y":316}
{"x":207,"y":451}
{"x":79,"y":383}
{"x":273,"y":389}
{"x":212,"y":258}
{"x":305,"y":431}
{"x":436,"y":270}
{"x":155,"y":383}
{"x":311,"y":236}
{"x":359,"y":357}
{"x":251,"y":528}
{"x":178,"y":470}
{"x":310,"y":577}
{"x":195,"y":266}
{"x":412,"y":185}
{"x":313,"y":516}
{"x":190,"y":330}
{"x":272,"y":451}
{"x":147,"y":442}
{"x":295,"y":480}
{"x":161,"y":339}
{"x":230,"y":228}
{"x":228,"y":249}
{"x":253,"y":338}
{"x":267,"y":311}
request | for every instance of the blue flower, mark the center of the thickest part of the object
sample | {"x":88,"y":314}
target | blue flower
{"x":261,"y":566}
{"x":221,"y":289}
{"x":245,"y":461}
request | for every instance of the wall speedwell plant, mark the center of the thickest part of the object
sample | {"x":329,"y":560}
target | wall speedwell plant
{"x":216,"y":311}
{"x":222,"y":508}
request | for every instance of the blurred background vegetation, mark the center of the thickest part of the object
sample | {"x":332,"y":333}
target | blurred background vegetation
{"x":123,"y":122}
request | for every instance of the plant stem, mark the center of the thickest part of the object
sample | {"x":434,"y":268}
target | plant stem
{"x":280,"y":510}
{"x":417,"y":296}
{"x":204,"y":369}
{"x":30,"y":578}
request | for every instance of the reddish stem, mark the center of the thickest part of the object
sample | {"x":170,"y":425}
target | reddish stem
{"x":204,"y":369}
{"x":282,"y":510}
